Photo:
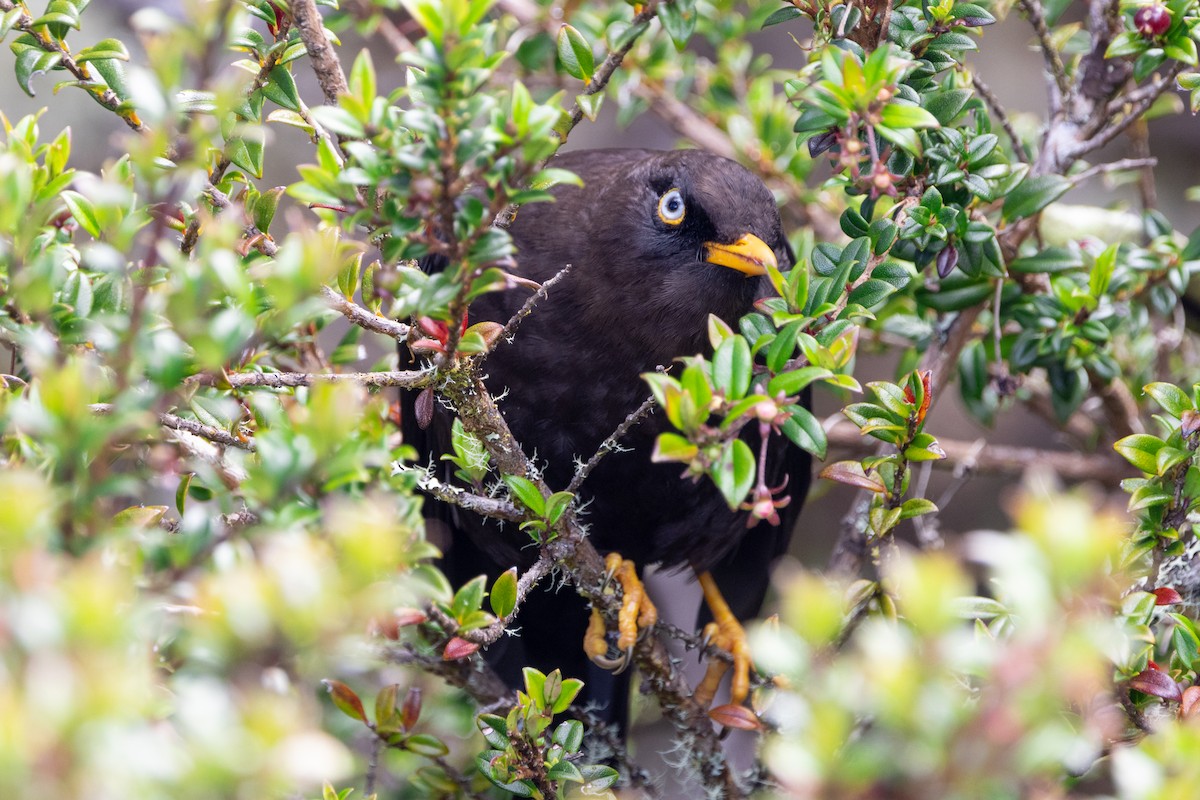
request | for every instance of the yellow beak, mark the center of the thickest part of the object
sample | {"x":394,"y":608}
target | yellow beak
{"x":749,"y":255}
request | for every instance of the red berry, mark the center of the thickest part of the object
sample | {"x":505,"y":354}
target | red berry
{"x":1152,"y":21}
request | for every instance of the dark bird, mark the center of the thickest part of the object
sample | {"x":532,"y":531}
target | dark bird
{"x":656,"y":242}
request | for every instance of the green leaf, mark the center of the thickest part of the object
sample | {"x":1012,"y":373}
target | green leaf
{"x":805,"y":431}
{"x":246,"y":151}
{"x":557,"y":504}
{"x":83,"y":211}
{"x":280,"y":89}
{"x":904,"y":115}
{"x":793,"y":381}
{"x":1052,"y":260}
{"x":733,"y":473}
{"x":947,"y":105}
{"x":695,"y":383}
{"x":535,"y":686}
{"x":526,"y":493}
{"x":871,"y":293}
{"x":679,"y":21}
{"x":385,"y":708}
{"x":1171,"y":398}
{"x":424,"y":744}
{"x":569,"y":735}
{"x":565,"y":770}
{"x":567,"y":693}
{"x":469,"y":597}
{"x":553,"y":176}
{"x":956,"y":298}
{"x":732,"y":367}
{"x":362,"y":78}
{"x":924,"y":448}
{"x":139,"y":517}
{"x":1033,"y":194}
{"x":113,"y":73}
{"x":265,"y":207}
{"x":181,"y":491}
{"x":32,"y":62}
{"x":916,"y":507}
{"x":493,"y":728}
{"x":575,"y":54}
{"x":590,"y":104}
{"x":598,"y":778}
{"x":785,"y":14}
{"x":503,"y":597}
{"x":430,"y":16}
{"x":103,"y":50}
{"x":784,"y":346}
{"x":1149,"y":496}
{"x":1140,"y":450}
{"x":1102,"y":270}
{"x":673,"y":447}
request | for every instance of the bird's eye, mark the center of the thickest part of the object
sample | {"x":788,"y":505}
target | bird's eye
{"x":671,"y":208}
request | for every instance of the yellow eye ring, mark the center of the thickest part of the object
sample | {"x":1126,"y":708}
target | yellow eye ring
{"x":671,"y":208}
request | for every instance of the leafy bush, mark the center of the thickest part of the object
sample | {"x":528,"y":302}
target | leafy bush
{"x":210,"y":526}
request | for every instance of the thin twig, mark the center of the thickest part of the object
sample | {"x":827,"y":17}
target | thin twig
{"x":525,"y":310}
{"x":1054,"y":65}
{"x":1145,"y":97}
{"x":685,"y":120}
{"x":372,"y":767}
{"x":850,"y":549}
{"x":472,"y":675}
{"x":1149,"y":91}
{"x":1001,"y":459}
{"x":525,"y":584}
{"x":490,"y":507}
{"x":191,"y":426}
{"x":1112,"y":166}
{"x":993,"y":103}
{"x":613,"y":60}
{"x":611,"y":443}
{"x":362,"y":317}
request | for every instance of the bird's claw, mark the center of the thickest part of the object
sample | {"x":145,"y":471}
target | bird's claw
{"x":636,"y":616}
{"x":728,"y":634}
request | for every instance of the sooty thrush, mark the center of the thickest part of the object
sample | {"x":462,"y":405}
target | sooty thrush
{"x":656,"y":242}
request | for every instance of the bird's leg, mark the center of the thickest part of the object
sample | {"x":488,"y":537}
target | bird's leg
{"x":727,"y":633}
{"x":637,"y":613}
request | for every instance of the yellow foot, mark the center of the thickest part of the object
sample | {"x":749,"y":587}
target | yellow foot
{"x":729,"y":635}
{"x":637,"y":614}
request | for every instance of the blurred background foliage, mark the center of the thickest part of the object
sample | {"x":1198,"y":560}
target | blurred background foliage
{"x":214,"y":576}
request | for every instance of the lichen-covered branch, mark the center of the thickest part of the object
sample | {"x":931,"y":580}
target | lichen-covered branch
{"x":407,"y":379}
{"x":326,"y":65}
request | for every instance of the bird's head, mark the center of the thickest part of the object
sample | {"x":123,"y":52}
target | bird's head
{"x":713,"y":210}
{"x":692,"y":230}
